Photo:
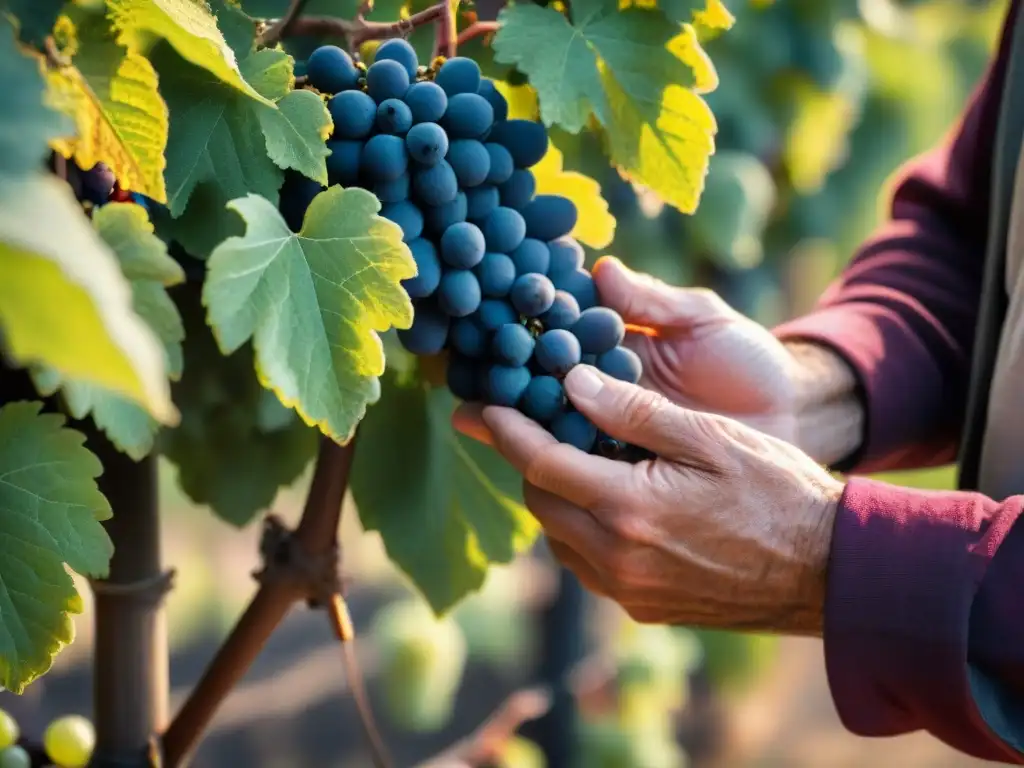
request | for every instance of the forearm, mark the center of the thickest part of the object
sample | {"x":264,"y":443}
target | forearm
{"x":829,"y":411}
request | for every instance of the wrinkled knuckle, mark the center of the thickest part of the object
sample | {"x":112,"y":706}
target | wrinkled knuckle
{"x":628,"y":527}
{"x":643,"y":407}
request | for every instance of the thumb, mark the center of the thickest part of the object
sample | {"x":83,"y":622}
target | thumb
{"x":646,"y":301}
{"x":641,"y":417}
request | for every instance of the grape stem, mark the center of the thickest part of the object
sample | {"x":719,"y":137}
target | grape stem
{"x":445,"y":43}
{"x":273,"y":34}
{"x":358,"y":31}
{"x":477,"y":29}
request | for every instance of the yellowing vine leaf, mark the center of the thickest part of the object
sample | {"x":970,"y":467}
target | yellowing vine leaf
{"x":635,"y":72}
{"x":595,"y":225}
{"x":190,"y":27}
{"x":111,"y":93}
{"x":312,"y":302}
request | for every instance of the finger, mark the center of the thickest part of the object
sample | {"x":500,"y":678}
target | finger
{"x":643,"y":300}
{"x":468,"y":419}
{"x":562,"y":469}
{"x":568,"y":523}
{"x":583,"y":570}
{"x":639,"y":416}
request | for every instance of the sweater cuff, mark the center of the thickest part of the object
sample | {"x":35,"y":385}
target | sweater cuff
{"x":900,"y":383}
{"x":905,"y":568}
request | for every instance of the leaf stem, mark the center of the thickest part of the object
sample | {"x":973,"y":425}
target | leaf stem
{"x":477,"y":29}
{"x":357,"y":31}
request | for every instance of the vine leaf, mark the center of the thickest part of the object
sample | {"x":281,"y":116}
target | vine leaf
{"x":455,"y":506}
{"x":595,"y":226}
{"x":710,"y":14}
{"x":50,"y":513}
{"x":146,"y":265}
{"x":190,"y":28}
{"x":633,"y":71}
{"x":233,"y":144}
{"x":111,"y":92}
{"x":312,"y":302}
{"x":237,"y":445}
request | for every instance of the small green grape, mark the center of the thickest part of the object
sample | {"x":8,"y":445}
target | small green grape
{"x":9,"y":730}
{"x":15,"y":757}
{"x":69,"y":741}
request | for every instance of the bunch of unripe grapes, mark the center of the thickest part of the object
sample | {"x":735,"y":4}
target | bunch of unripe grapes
{"x":69,"y":742}
{"x":501,"y":284}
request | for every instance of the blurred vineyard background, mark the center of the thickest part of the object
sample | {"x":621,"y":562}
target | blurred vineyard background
{"x":819,"y":101}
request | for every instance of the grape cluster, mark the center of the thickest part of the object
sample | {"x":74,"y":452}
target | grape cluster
{"x":500,"y":284}
{"x":68,"y":742}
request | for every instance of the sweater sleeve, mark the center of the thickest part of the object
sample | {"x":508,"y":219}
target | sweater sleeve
{"x":923,"y":625}
{"x":903,"y":311}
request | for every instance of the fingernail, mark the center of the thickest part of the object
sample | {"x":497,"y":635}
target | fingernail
{"x":583,"y":382}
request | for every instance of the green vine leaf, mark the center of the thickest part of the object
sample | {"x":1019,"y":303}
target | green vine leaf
{"x":146,"y":265}
{"x":455,"y":507}
{"x":237,"y":445}
{"x":188,"y":26}
{"x":635,"y":72}
{"x":111,"y":93}
{"x":312,"y":302}
{"x":50,"y":513}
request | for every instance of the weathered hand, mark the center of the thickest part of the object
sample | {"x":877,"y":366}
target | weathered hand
{"x":700,"y":353}
{"x":727,"y":528}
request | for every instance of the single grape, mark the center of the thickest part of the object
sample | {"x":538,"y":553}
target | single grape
{"x":440,"y":217}
{"x":15,"y":756}
{"x":566,"y":255}
{"x":331,"y":70}
{"x":435,"y":185}
{"x":564,"y":312}
{"x":69,"y":741}
{"x":468,"y":116}
{"x":459,"y":75}
{"x":506,"y":384}
{"x":398,"y":50}
{"x":394,"y":116}
{"x":392,"y":191}
{"x":427,"y":143}
{"x":462,"y":245}
{"x":548,"y":217}
{"x":468,"y":338}
{"x":405,"y":215}
{"x":494,"y":313}
{"x":501,"y":168}
{"x":9,"y":730}
{"x":470,"y":161}
{"x":464,"y":378}
{"x":343,"y":162}
{"x":353,"y":113}
{"x":427,"y":101}
{"x":621,"y":363}
{"x":429,"y":330}
{"x":512,"y":345}
{"x":386,"y":79}
{"x":494,"y":97}
{"x":557,"y":351}
{"x":580,"y":284}
{"x":543,"y":399}
{"x":496,"y":273}
{"x":599,"y":330}
{"x":458,"y":294}
{"x":518,"y":190}
{"x":574,"y":428}
{"x":384,"y":157}
{"x":297,"y":193}
{"x":526,"y":140}
{"x":504,"y":230}
{"x":97,"y":184}
{"x":608,"y":446}
{"x":428,"y":267}
{"x":532,"y":294}
{"x":531,"y":256}
{"x":482,"y":201}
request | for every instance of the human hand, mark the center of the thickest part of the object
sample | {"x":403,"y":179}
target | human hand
{"x":726,"y":528}
{"x":700,"y":353}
